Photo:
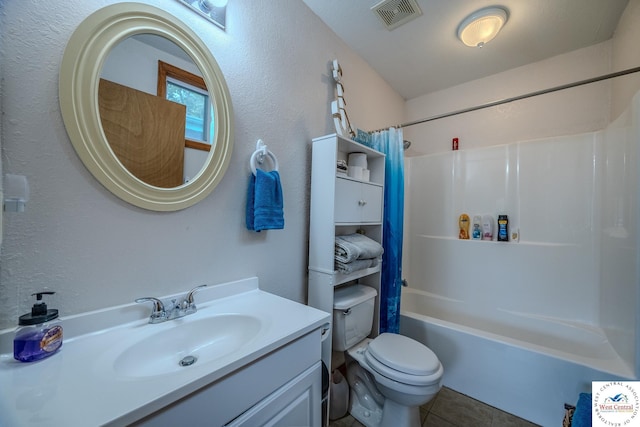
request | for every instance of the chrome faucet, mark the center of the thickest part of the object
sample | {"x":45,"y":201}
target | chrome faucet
{"x":172,"y":309}
{"x":188,"y":300}
{"x":158,"y":314}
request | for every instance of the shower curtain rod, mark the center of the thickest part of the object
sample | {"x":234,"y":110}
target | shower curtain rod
{"x":516,"y":98}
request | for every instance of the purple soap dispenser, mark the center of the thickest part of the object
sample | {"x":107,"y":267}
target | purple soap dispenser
{"x":39,"y":333}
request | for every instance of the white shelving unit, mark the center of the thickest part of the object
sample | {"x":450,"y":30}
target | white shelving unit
{"x":341,"y":205}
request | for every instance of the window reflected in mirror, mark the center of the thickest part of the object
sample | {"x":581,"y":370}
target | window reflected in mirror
{"x":188,"y":89}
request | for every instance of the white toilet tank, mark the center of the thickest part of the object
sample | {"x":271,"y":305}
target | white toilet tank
{"x":353,"y":308}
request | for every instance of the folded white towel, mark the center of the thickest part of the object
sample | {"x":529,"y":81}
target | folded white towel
{"x":355,"y":246}
{"x":357,"y":265}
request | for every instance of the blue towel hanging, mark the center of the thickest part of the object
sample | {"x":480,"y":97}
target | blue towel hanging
{"x":264,"y":196}
{"x":265,"y":202}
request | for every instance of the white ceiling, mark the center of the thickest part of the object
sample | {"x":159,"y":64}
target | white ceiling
{"x":425,"y":55}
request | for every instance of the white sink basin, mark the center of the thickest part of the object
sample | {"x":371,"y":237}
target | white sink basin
{"x":186,"y":343}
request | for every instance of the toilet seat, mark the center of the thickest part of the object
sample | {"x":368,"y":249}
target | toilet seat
{"x":402,"y":359}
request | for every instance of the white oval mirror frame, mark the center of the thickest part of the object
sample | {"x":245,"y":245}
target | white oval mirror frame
{"x":80,"y":72}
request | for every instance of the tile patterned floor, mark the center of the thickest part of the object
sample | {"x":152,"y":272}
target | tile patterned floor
{"x":452,"y":409}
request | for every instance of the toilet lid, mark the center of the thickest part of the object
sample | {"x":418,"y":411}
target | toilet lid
{"x":404,"y":354}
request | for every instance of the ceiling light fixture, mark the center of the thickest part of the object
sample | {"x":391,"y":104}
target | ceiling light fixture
{"x":482,"y":26}
{"x":213,"y":10}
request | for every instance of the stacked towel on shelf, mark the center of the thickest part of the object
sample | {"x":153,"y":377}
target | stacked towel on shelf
{"x":355,"y":252}
{"x":359,"y":264}
{"x":264,"y":202}
{"x":356,"y":246}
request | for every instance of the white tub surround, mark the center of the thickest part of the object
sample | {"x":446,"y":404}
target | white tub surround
{"x":527,"y":325}
{"x":574,"y":202}
{"x":86,"y":383}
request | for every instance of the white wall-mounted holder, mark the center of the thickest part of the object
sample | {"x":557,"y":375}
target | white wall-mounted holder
{"x":338,"y":110}
{"x":259,"y":155}
{"x":16,"y":193}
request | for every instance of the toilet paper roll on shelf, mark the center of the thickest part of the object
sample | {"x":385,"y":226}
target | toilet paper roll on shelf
{"x":358,"y":159}
{"x":355,"y":172}
{"x":359,"y":173}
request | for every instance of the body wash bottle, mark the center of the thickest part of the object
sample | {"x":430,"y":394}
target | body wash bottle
{"x":487,"y":227}
{"x":476,"y":233}
{"x":39,"y":334}
{"x":463,"y":224}
{"x":503,"y":228}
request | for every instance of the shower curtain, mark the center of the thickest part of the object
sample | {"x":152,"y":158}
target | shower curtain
{"x":390,"y":142}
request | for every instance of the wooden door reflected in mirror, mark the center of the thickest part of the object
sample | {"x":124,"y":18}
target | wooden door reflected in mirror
{"x":145,"y":132}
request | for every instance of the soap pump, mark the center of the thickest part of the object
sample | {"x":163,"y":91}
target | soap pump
{"x":39,"y":333}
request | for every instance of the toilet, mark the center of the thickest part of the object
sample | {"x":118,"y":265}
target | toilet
{"x":390,"y":376}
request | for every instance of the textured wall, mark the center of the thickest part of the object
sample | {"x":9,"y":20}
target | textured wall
{"x":568,"y":112}
{"x":97,"y":251}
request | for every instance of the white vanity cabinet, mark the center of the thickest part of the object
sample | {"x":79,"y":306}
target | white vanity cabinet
{"x":341,"y":205}
{"x":296,"y":403}
{"x":282,"y":388}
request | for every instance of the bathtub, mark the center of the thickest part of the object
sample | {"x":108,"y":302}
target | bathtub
{"x":522,"y":363}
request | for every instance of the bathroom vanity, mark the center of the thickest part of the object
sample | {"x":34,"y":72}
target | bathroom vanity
{"x":257,"y":361}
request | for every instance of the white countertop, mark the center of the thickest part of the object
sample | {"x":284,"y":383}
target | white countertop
{"x":78,"y":386}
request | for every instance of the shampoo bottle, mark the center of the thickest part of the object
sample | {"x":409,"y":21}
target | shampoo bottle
{"x":503,"y":228}
{"x":476,"y":233}
{"x":463,"y":224}
{"x":39,"y":333}
{"x":487,"y":227}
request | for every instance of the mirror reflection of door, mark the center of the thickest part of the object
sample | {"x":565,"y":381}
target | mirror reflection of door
{"x":145,"y":132}
{"x":134,"y":63}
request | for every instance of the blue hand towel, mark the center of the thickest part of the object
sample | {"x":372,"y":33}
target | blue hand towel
{"x":264,"y":202}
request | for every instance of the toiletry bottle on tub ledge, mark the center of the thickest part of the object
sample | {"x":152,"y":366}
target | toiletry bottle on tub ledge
{"x":503,"y":228}
{"x":487,"y":227}
{"x":463,"y":225}
{"x":476,"y":232}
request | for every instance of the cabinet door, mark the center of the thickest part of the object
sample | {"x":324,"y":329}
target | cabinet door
{"x":357,"y":202}
{"x":348,"y":202}
{"x":371,"y":203}
{"x":297,"y":403}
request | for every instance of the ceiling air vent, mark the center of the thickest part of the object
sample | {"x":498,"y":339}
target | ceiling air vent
{"x":394,"y":13}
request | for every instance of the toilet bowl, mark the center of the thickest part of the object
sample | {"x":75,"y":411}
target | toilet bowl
{"x":391,"y":375}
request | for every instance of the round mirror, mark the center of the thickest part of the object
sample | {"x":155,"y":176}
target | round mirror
{"x":93,"y":108}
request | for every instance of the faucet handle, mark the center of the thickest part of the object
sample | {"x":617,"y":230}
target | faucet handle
{"x":158,"y":313}
{"x":189,"y":297}
{"x":188,"y":300}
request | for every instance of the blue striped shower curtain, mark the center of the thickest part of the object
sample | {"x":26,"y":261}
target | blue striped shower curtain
{"x":390,"y":142}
